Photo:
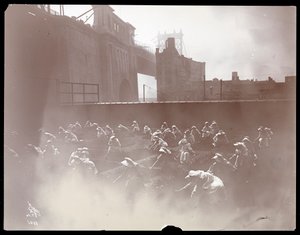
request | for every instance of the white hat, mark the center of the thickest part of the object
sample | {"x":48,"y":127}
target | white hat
{"x":237,"y":143}
{"x":164,"y":150}
{"x":128,"y":162}
{"x":217,"y":155}
{"x":246,"y":139}
{"x":193,"y":173}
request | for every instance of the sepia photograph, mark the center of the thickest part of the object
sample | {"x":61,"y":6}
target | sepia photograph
{"x":149,"y":117}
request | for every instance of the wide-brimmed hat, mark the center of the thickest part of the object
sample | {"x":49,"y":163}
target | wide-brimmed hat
{"x":128,"y":162}
{"x":260,"y":128}
{"x":246,"y":139}
{"x":183,"y":141}
{"x":238,"y":144}
{"x":217,"y":155}
{"x":193,"y":173}
{"x":164,"y":150}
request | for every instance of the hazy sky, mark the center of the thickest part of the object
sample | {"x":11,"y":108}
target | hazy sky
{"x":257,"y":42}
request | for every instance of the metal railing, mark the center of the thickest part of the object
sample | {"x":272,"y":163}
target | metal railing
{"x":77,"y":93}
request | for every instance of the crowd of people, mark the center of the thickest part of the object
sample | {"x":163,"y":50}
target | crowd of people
{"x":203,"y":158}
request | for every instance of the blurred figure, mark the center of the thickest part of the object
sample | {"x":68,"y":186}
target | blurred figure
{"x":109,"y":131}
{"x":220,"y":139}
{"x":132,"y":176}
{"x":196,"y":133}
{"x":157,"y":133}
{"x":62,"y":132}
{"x":74,"y":158}
{"x":51,"y":150}
{"x":32,"y":217}
{"x":220,"y":166}
{"x":206,"y":130}
{"x":162,"y":158}
{"x":251,"y":150}
{"x":178,"y":134}
{"x":214,"y":128}
{"x":157,"y":143}
{"x":84,"y":153}
{"x":135,"y":127}
{"x":88,"y":124}
{"x":264,"y":136}
{"x":189,"y":136}
{"x":79,"y":160}
{"x":164,"y":126}
{"x":147,"y":132}
{"x":169,"y":137}
{"x":100,"y":132}
{"x":123,"y":128}
{"x":70,"y":137}
{"x":240,"y":154}
{"x":45,"y":136}
{"x":186,"y":151}
{"x":9,"y":152}
{"x":211,"y":185}
{"x":114,"y":148}
{"x":37,"y":150}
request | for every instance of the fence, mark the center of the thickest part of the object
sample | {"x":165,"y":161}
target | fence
{"x":77,"y":93}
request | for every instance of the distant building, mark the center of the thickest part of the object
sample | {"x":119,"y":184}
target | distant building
{"x":177,"y":76}
{"x":235,"y":76}
{"x":183,"y":79}
{"x":250,"y":89}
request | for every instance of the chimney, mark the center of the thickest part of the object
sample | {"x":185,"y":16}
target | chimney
{"x":170,"y":43}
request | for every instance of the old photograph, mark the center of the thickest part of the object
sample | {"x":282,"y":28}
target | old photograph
{"x":139,"y":117}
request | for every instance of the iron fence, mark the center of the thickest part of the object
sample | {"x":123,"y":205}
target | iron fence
{"x":77,"y":93}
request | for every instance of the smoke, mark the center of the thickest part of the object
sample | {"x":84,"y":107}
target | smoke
{"x":69,"y":200}
{"x":255,"y":41}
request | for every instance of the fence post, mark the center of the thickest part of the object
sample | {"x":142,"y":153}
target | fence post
{"x":83,"y":93}
{"x":57,"y":92}
{"x":98,"y":93}
{"x":72,"y":93}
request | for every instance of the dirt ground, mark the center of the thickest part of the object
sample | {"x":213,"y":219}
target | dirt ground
{"x":66,"y":201}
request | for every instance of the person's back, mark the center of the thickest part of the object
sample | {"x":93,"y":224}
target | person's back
{"x":169,"y":137}
{"x":196,"y":133}
{"x":147,"y":132}
{"x":206,"y":130}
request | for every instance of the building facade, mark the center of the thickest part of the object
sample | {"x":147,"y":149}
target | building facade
{"x":118,"y":65}
{"x":182,"y":79}
{"x":177,"y":75}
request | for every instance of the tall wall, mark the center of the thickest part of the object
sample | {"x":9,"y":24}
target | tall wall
{"x":231,"y":115}
{"x":41,"y":48}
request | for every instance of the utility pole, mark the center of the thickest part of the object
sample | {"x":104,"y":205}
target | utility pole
{"x":221,"y":89}
{"x":204,"y":88}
